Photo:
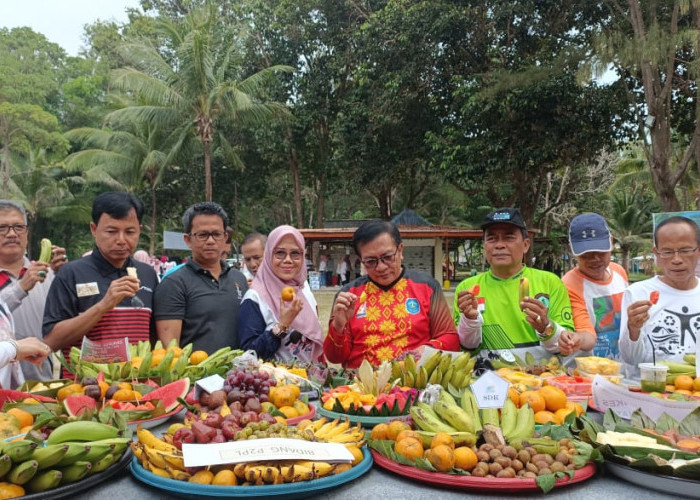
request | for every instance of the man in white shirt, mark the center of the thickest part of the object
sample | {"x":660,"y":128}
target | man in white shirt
{"x":662,"y":314}
{"x":253,"y":250}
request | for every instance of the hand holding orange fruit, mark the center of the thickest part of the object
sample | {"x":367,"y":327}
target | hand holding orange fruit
{"x":288,"y":294}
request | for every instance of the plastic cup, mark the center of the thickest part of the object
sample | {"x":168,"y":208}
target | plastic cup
{"x":653,"y":377}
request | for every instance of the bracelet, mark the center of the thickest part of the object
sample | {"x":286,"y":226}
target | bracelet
{"x":280,"y":330}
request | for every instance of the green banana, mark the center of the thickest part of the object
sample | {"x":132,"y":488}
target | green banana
{"x":447,"y":376}
{"x":76,"y":451}
{"x":103,"y":463}
{"x":409,"y":364}
{"x":75,"y":472}
{"x":44,"y":480}
{"x":675,"y":367}
{"x":46,"y":251}
{"x":457,"y":379}
{"x":461,"y":361}
{"x":525,"y":426}
{"x":469,"y":367}
{"x":459,"y":438}
{"x":446,"y":397}
{"x":19,"y":451}
{"x":490,"y":416}
{"x":50,"y":455}
{"x":509,"y":417}
{"x":431,"y":363}
{"x":436,"y":377}
{"x":422,"y":378}
{"x":82,"y":430}
{"x":396,"y":370}
{"x":429,"y":421}
{"x":120,"y":444}
{"x":530,"y":359}
{"x":22,"y":473}
{"x":408,"y":379}
{"x":454,"y":415}
{"x":5,"y":464}
{"x":690,"y":359}
{"x":98,"y":451}
{"x":445,"y":362}
{"x":468,"y":404}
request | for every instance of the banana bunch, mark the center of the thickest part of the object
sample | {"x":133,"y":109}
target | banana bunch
{"x":675,"y":368}
{"x":164,"y":460}
{"x":445,"y":416}
{"x":77,"y":450}
{"x":439,"y":368}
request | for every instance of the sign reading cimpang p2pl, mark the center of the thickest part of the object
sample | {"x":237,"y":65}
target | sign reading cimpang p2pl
{"x":254,"y":450}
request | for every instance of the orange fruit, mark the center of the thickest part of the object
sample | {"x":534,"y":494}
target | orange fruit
{"x":125,"y":385}
{"x":177,"y":352}
{"x":670,"y":388}
{"x":684,"y":382}
{"x":197,"y":357}
{"x":296,"y":390}
{"x":408,"y":433}
{"x":544,"y":417}
{"x":288,"y":411}
{"x":379,"y":431}
{"x":288,"y":294}
{"x":576,"y":407}
{"x":225,"y":477}
{"x":66,"y":391}
{"x":442,"y":438}
{"x":126,"y":395}
{"x":24,"y":417}
{"x":409,"y":448}
{"x":685,"y":392}
{"x":104,"y":386}
{"x":442,"y":457}
{"x":534,"y":399}
{"x":395,"y":427}
{"x":561,"y":414}
{"x":465,"y":458}
{"x":554,"y":398}
{"x":696,"y":384}
{"x":283,"y":395}
{"x":514,"y":395}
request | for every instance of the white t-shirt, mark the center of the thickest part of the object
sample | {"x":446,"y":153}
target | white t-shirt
{"x":673,"y":324}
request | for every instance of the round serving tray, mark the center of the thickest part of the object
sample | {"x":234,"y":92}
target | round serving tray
{"x":290,"y":491}
{"x":367,"y":422}
{"x":666,"y":484}
{"x":70,"y":490}
{"x":153,"y":422}
{"x":515,"y":485}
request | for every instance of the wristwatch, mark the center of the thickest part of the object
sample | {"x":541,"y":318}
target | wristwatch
{"x":548,"y":332}
{"x":280,"y":330}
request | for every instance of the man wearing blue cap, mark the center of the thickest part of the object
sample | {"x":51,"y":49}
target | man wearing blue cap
{"x":595,"y":286}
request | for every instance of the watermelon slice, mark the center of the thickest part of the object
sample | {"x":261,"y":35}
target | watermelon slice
{"x":169,"y":393}
{"x":77,"y":404}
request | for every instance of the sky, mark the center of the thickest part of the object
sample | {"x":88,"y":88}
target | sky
{"x":62,"y":21}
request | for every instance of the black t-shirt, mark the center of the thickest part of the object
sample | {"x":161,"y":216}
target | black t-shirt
{"x":82,"y":283}
{"x":208,"y":308}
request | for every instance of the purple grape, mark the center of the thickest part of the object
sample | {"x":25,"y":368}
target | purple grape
{"x":263,"y":398}
{"x":264,"y":390}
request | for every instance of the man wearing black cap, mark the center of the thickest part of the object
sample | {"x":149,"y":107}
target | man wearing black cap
{"x":488,"y":310}
{"x":595,"y":287}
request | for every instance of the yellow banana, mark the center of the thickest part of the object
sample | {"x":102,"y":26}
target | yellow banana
{"x":321,"y":433}
{"x":150,"y":440}
{"x":321,"y":469}
{"x":287,"y":473}
{"x":239,"y":471}
{"x":338,"y":429}
{"x":341,"y":468}
{"x":317,"y":424}
{"x":158,"y":471}
{"x":271,"y":475}
{"x":253,"y":473}
{"x":155,"y":458}
{"x":178,"y":474}
{"x":302,"y":473}
{"x":524,"y":288}
{"x":176,"y":461}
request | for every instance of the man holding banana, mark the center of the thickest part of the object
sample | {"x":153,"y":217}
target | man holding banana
{"x":512,"y":305}
{"x":24,"y":284}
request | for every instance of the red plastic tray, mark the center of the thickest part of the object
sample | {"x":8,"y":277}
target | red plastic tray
{"x":515,"y":485}
{"x":310,"y":415}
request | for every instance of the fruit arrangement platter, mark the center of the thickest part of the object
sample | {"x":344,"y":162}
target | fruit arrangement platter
{"x":164,"y":363}
{"x":59,"y":452}
{"x":371,"y":395}
{"x":456,"y":443}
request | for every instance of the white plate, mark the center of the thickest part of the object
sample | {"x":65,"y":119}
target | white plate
{"x":666,"y":484}
{"x":152,"y":422}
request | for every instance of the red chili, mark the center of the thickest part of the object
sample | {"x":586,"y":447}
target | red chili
{"x":654,"y":297}
{"x":475,"y":290}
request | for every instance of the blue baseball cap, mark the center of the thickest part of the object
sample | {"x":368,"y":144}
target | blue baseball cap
{"x":589,"y":233}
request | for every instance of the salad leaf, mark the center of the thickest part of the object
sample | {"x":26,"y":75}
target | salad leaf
{"x":666,"y":422}
{"x":690,"y":425}
{"x":641,"y":420}
{"x":610,"y":420}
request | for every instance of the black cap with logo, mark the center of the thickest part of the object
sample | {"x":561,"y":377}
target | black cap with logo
{"x":504,"y":215}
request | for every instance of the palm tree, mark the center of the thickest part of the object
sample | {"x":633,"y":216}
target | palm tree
{"x":127,"y":160}
{"x":630,"y":221}
{"x":188,"y":86}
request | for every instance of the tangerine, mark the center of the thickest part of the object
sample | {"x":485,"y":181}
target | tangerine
{"x":197,"y":357}
{"x":545,"y":417}
{"x":465,"y":458}
{"x":561,"y":413}
{"x":442,"y":457}
{"x":408,"y":433}
{"x":534,"y":399}
{"x":224,"y":477}
{"x":409,"y":448}
{"x":288,"y":294}
{"x":288,"y":411}
{"x":554,"y":398}
{"x":395,"y":427}
{"x":684,"y":382}
{"x":379,"y":431}
{"x":283,"y":395}
{"x":24,"y":417}
{"x":514,"y":395}
{"x":442,"y":438}
{"x":68,"y":390}
{"x":576,"y":407}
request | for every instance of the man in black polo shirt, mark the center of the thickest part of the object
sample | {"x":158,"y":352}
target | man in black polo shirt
{"x":94,"y":296}
{"x":198,"y":303}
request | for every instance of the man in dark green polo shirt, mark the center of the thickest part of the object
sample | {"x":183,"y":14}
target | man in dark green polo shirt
{"x":198,"y":303}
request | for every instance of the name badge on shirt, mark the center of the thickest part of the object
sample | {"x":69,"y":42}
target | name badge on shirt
{"x":87,"y":289}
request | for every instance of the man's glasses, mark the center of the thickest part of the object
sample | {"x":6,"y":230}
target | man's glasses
{"x":387,"y":260}
{"x":205,"y":235}
{"x":17,"y":228}
{"x":683,"y":252}
{"x":282,"y":254}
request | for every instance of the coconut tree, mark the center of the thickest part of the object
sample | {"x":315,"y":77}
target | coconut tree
{"x":630,"y":221}
{"x":191,"y":82}
{"x":120,"y":159}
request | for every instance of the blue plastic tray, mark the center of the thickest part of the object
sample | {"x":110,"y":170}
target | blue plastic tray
{"x":287,"y":491}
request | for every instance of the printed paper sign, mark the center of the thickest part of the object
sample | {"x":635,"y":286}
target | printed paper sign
{"x":209,"y":384}
{"x":490,"y":390}
{"x":106,"y":351}
{"x":607,"y":395}
{"x":255,"y":450}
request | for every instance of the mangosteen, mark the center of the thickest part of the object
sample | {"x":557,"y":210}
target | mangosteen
{"x":94,"y":392}
{"x":89,"y":381}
